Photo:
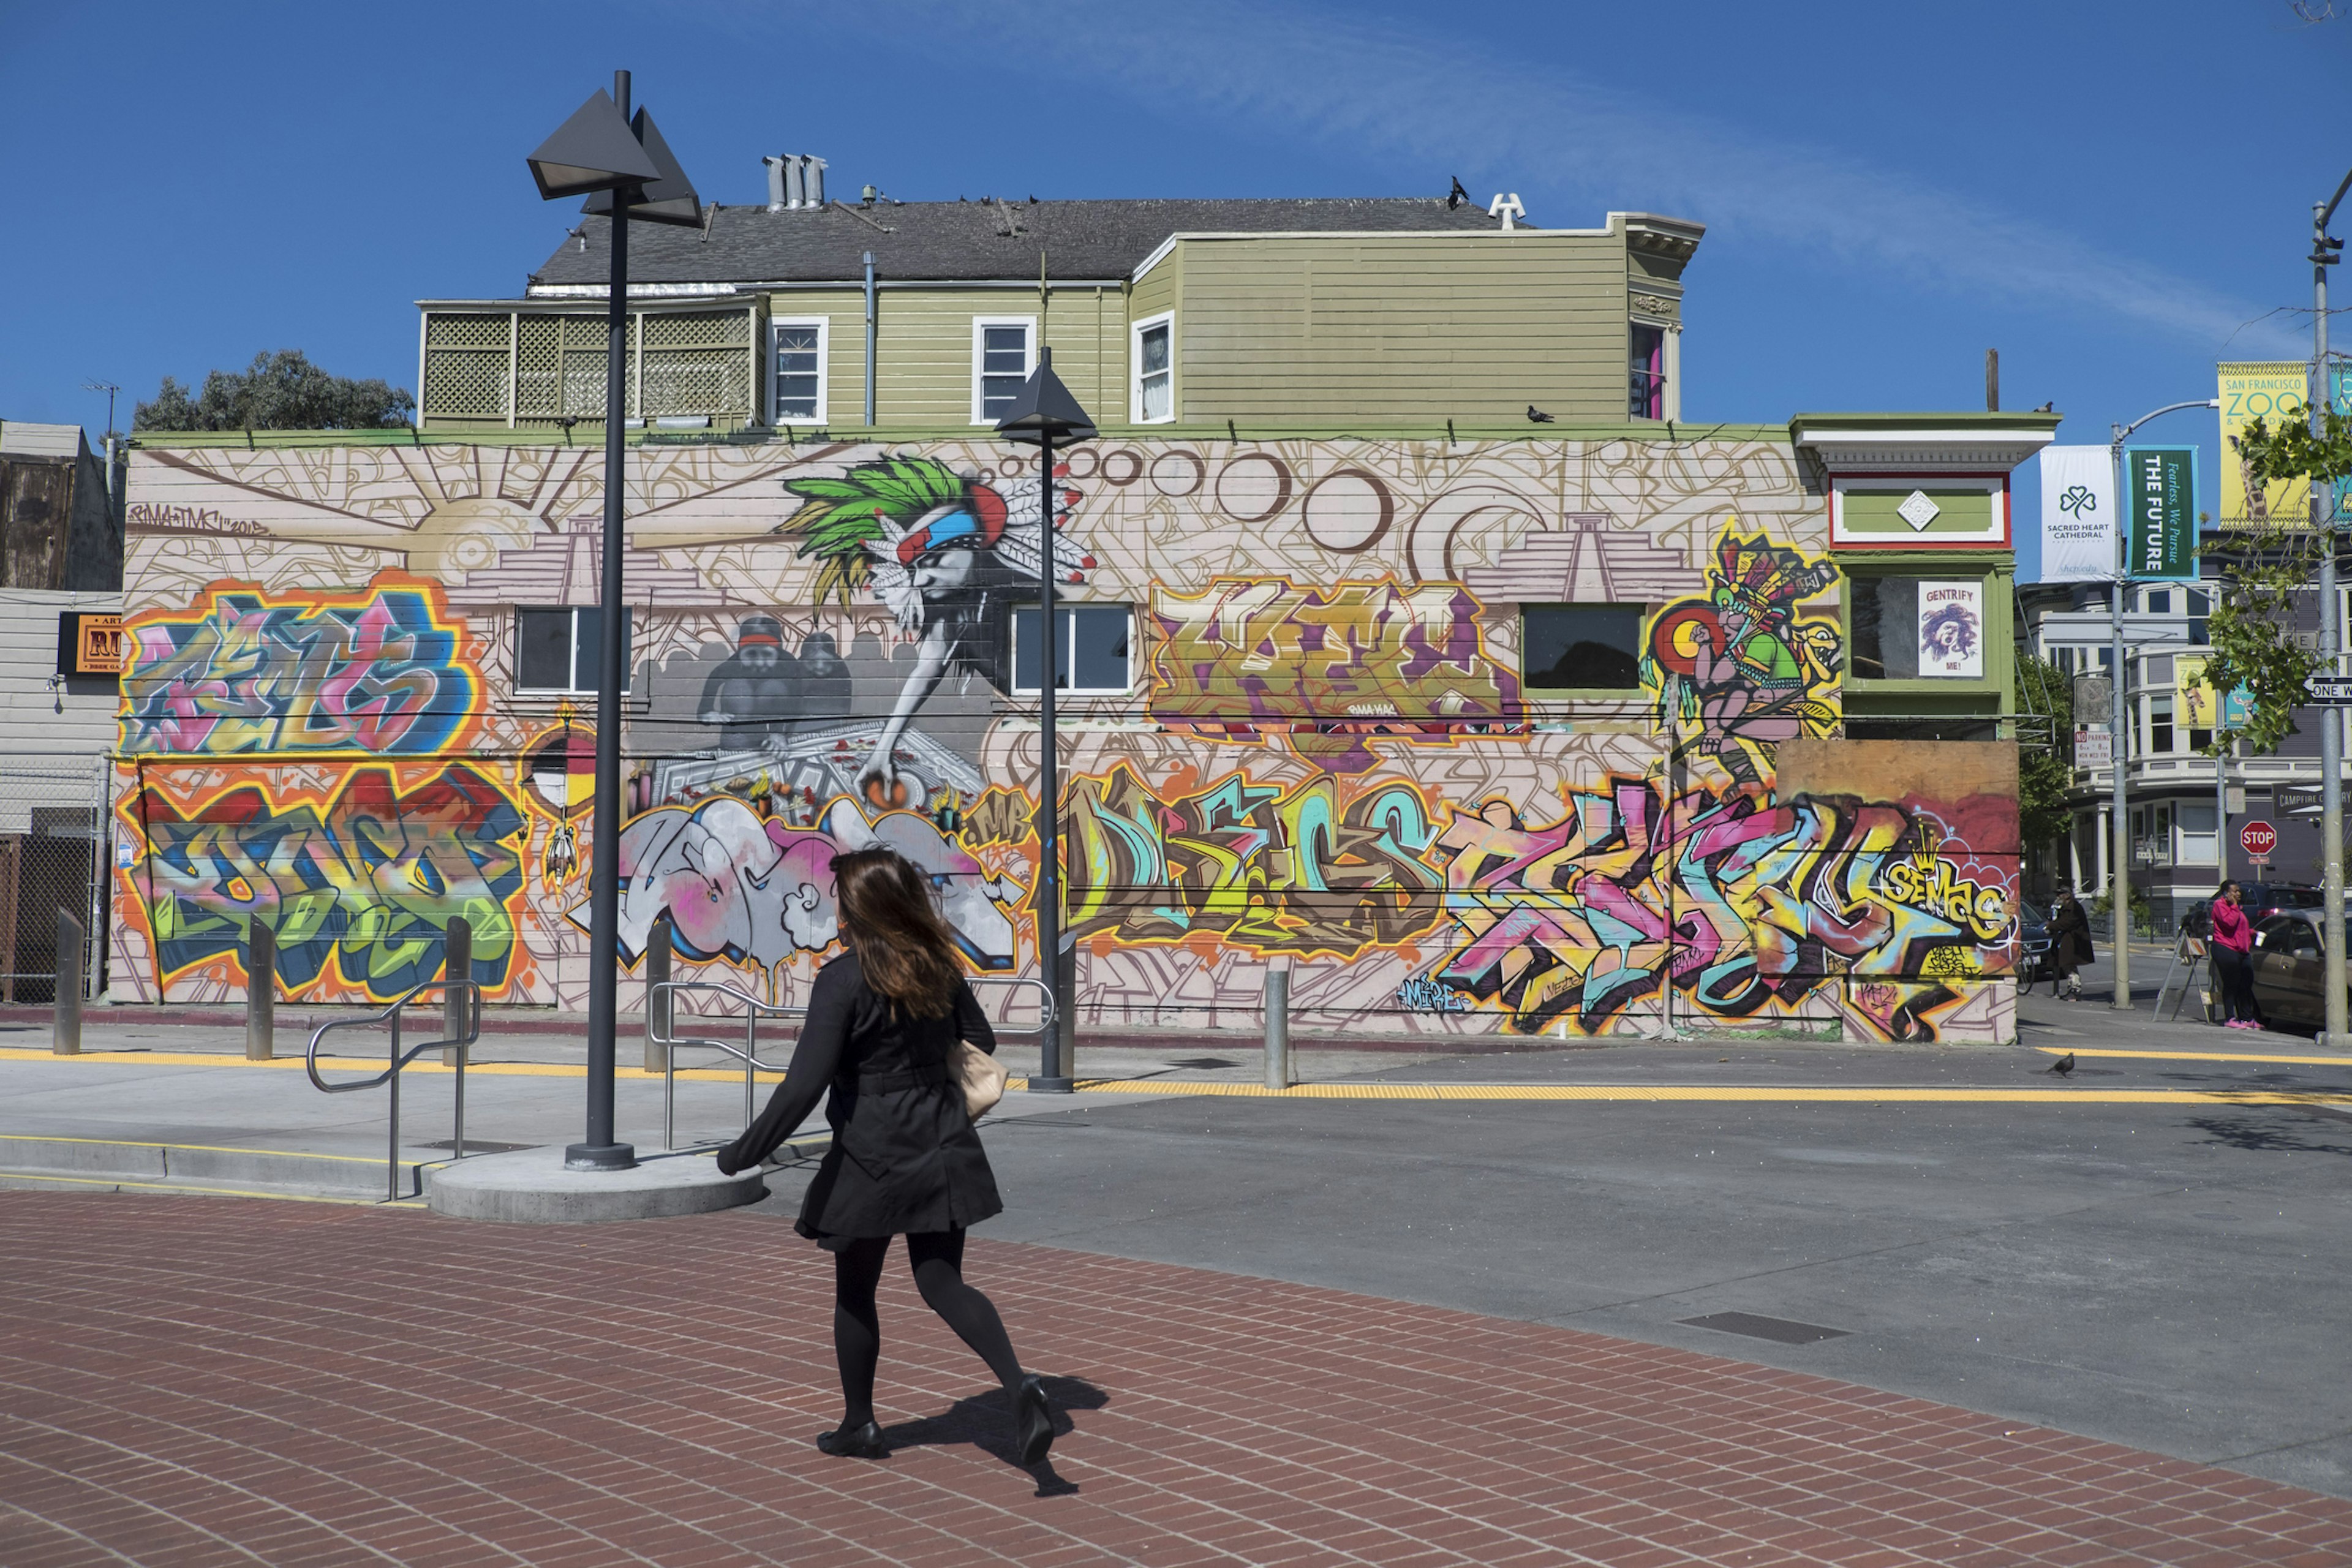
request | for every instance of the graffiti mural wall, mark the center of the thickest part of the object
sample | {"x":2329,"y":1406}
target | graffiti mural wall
{"x":1301,"y":732}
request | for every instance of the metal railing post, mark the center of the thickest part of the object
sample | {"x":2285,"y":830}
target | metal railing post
{"x":391,"y":1180}
{"x":260,"y":991}
{"x":657,"y":1001}
{"x":65,"y":1031}
{"x":456,"y":964}
{"x":1278,"y":1027}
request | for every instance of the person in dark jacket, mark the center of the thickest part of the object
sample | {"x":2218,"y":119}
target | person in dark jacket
{"x":905,"y":1161}
{"x":2070,"y":944}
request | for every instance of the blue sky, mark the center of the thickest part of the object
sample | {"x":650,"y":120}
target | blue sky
{"x":2115,"y":198}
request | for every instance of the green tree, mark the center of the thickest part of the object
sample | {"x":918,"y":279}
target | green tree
{"x":2264,"y":569}
{"x":2045,"y":773}
{"x":281,"y":391}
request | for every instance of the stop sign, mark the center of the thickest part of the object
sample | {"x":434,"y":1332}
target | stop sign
{"x":2258,"y":839}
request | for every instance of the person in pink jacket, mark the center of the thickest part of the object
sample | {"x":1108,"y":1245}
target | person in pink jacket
{"x":2233,"y":960}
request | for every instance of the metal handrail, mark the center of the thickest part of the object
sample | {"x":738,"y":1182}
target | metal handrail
{"x":661,"y":1030}
{"x":661,"y":1002}
{"x":472,"y":991}
{"x":1045,"y":1006}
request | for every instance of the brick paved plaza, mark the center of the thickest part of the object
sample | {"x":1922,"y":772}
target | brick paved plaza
{"x":191,"y":1382}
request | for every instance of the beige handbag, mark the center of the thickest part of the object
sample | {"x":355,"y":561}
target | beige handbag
{"x":981,"y":1075}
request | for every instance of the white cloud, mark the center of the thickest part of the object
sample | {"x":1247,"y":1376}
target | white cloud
{"x":1374,"y":89}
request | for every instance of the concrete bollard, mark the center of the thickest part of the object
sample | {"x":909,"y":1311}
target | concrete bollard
{"x":1277,"y":1028}
{"x":260,"y":992}
{"x":456,"y":964}
{"x":659,"y":1005}
{"x":65,"y":1033}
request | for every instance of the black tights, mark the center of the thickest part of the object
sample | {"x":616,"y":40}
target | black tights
{"x":937,"y":1258}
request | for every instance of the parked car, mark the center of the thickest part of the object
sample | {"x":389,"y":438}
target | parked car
{"x":2288,"y":973}
{"x":2032,"y":943}
{"x":2262,"y":900}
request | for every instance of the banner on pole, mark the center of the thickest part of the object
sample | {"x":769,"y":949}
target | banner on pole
{"x":2268,"y":390}
{"x":2199,"y":705}
{"x":2160,"y":501}
{"x":2339,"y":396}
{"x":2078,"y":514}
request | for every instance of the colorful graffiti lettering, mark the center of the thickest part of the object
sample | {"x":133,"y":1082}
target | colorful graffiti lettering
{"x":745,"y":891}
{"x":1264,"y":648}
{"x":1323,"y":868}
{"x":383,"y":671}
{"x":1740,"y":670}
{"x":1419,"y":995}
{"x":1749,"y":907}
{"x":359,"y":885}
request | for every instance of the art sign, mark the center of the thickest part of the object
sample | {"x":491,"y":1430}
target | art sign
{"x":1951,"y":630}
{"x":1325,"y":753}
{"x":2160,"y":501}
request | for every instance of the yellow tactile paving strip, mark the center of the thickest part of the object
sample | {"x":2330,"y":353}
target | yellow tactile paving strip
{"x":1640,"y":1093}
{"x":2196,"y":1056}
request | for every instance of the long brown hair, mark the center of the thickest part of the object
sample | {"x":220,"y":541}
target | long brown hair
{"x":901,"y":944}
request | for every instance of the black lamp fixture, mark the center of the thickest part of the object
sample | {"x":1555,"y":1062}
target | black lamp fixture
{"x":627,"y":170}
{"x":1045,"y":414}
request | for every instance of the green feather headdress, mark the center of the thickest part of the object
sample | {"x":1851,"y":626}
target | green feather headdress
{"x":837,"y":520}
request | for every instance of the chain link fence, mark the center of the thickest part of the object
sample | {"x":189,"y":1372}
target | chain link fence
{"x":53,"y":858}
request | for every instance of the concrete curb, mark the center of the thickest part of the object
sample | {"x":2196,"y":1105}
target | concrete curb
{"x":531,"y":1186}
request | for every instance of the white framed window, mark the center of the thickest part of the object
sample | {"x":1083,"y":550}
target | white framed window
{"x":556,"y":648}
{"x":796,"y":383}
{"x":1152,"y":352}
{"x":1092,"y":655}
{"x":1003,"y":353}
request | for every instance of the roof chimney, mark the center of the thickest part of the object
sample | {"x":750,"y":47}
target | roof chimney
{"x":796,"y":180}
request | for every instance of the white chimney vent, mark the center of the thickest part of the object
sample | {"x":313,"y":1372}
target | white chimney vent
{"x":796,"y":181}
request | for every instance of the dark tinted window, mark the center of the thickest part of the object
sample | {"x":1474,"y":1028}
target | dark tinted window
{"x":543,"y":650}
{"x":1582,"y":648}
{"x":1885,"y":618}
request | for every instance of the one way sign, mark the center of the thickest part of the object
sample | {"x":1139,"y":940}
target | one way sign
{"x":2331,"y":690}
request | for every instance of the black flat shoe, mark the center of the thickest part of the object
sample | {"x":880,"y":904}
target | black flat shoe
{"x":1033,"y":1419}
{"x":855,"y":1442}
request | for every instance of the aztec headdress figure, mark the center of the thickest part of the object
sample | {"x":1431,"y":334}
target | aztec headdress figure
{"x":949,"y":554}
{"x":1740,"y":662}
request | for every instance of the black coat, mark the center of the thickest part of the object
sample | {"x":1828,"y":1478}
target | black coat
{"x":2070,"y":935}
{"x":904,"y":1156}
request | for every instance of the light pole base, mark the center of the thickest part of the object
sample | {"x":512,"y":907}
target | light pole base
{"x":1043,"y":1085}
{"x":2327,"y":1042}
{"x":600,"y":1157}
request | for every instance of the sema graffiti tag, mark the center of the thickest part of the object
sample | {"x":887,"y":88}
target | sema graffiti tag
{"x":1265,"y":649}
{"x":1749,"y":908}
{"x":359,"y":885}
{"x":1741,"y":670}
{"x":1319,"y":869}
{"x":741,"y":889}
{"x":381,"y":671}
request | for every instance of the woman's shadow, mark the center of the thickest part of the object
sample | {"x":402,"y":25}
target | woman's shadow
{"x":983,"y":1421}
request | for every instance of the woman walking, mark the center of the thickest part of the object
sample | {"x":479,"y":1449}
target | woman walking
{"x":2231,"y":947}
{"x":882,"y":1020}
{"x":2070,"y":946}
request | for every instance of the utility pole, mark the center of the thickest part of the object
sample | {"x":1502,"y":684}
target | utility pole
{"x":2331,"y":723}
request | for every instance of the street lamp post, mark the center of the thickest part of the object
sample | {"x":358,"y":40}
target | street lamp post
{"x":2324,"y":254}
{"x":2118,"y":808}
{"x":625,"y":169}
{"x":1044,"y":414}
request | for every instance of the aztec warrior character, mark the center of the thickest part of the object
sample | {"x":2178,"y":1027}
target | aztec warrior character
{"x":949,"y":554}
{"x":1741,"y":662}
